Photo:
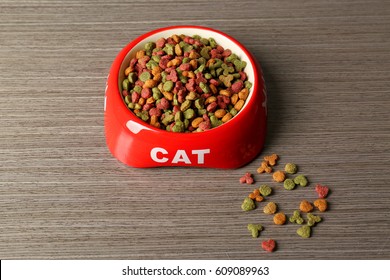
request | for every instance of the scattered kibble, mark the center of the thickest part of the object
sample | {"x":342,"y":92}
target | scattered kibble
{"x":268,"y":245}
{"x":305,"y":206}
{"x":247,"y":178}
{"x":248,"y":204}
{"x":321,"y":204}
{"x":185,"y":84}
{"x":279,"y":176}
{"x":265,"y":190}
{"x":301,"y":180}
{"x":255,"y":229}
{"x":296,"y":218}
{"x":280,"y":218}
{"x":289,"y":184}
{"x":271,"y":159}
{"x":270,"y":208}
{"x":312,"y":219}
{"x":304,"y":231}
{"x":255,"y":195}
{"x":291,"y":168}
{"x":264,"y":167}
{"x":322,"y":191}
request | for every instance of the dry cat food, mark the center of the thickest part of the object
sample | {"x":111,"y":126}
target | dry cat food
{"x":185,"y":84}
{"x":268,"y":245}
{"x":271,"y":208}
{"x":247,"y":178}
{"x":255,"y":229}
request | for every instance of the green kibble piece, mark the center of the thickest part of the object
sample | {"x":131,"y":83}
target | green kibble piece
{"x":216,"y":64}
{"x":183,"y":79}
{"x":150,"y":46}
{"x":231,"y":57}
{"x":156,"y":93}
{"x":215,"y":121}
{"x":265,"y":190}
{"x":137,"y":106}
{"x":168,"y":118}
{"x":186,"y":123}
{"x":202,"y":60}
{"x":212,"y":43}
{"x":186,"y":60}
{"x":128,"y":99}
{"x":131,"y":105}
{"x":312,"y":219}
{"x":233,"y":112}
{"x":151,"y":64}
{"x":289,"y":184}
{"x":186,"y":47}
{"x":199,"y":103}
{"x":300,"y":180}
{"x":255,"y":229}
{"x":248,"y":204}
{"x":168,"y":49}
{"x":200,"y":69}
{"x":196,"y":37}
{"x":291,"y":168}
{"x":175,"y":101}
{"x":236,"y":75}
{"x":227,"y":69}
{"x":204,"y":52}
{"x":137,"y":89}
{"x":204,"y":41}
{"x":168,"y":86}
{"x":204,"y":87}
{"x":132,"y":77}
{"x":156,"y":58}
{"x":179,"y":116}
{"x":185,"y":105}
{"x":189,"y":114}
{"x":192,"y":95}
{"x":125,"y":84}
{"x":202,"y":112}
{"x":144,"y":116}
{"x":207,"y":76}
{"x":304,"y":231}
{"x":239,"y":65}
{"x":144,"y":76}
{"x":213,"y":73}
{"x":296,"y":218}
{"x":178,"y":127}
{"x":218,"y":71}
{"x":247,"y":84}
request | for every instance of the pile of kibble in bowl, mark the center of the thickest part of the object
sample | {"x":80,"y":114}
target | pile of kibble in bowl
{"x":185,"y":84}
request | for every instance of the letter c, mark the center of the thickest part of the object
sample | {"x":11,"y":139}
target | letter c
{"x":153,"y":155}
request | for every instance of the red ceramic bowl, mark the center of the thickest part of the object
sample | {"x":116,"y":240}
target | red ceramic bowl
{"x":231,"y":145}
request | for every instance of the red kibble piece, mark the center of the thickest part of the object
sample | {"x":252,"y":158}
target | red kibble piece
{"x":205,"y":125}
{"x":125,"y":93}
{"x":135,"y":97}
{"x":237,"y":86}
{"x":172,"y":76}
{"x":226,"y":53}
{"x":322,"y":191}
{"x":160,"y":42}
{"x":268,"y":245}
{"x":212,"y":107}
{"x":163,"y":62}
{"x":214,"y":82}
{"x":242,"y":75}
{"x":155,"y":112}
{"x":147,"y":107}
{"x":146,"y":93}
{"x":185,"y":67}
{"x":247,"y":178}
{"x":164,"y":104}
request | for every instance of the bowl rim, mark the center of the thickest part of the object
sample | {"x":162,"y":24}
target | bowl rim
{"x":146,"y":126}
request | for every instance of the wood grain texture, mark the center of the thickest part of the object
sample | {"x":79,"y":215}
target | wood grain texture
{"x":63,"y":196}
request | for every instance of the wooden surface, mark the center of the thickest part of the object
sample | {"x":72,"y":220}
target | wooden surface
{"x":62,"y":194}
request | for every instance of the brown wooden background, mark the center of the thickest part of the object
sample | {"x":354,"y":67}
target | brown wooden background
{"x":62,"y":194}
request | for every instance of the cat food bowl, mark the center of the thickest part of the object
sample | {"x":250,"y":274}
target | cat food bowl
{"x":139,"y":144}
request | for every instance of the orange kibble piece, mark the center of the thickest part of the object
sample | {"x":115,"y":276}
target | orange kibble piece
{"x":305,"y":206}
{"x":271,"y":159}
{"x":264,"y":167}
{"x":279,"y":218}
{"x":255,"y":195}
{"x":279,"y":176}
{"x":321,"y":204}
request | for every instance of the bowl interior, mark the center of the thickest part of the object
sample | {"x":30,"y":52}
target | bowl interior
{"x":220,"y":38}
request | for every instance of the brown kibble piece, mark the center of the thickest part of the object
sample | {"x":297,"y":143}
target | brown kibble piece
{"x":270,"y":208}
